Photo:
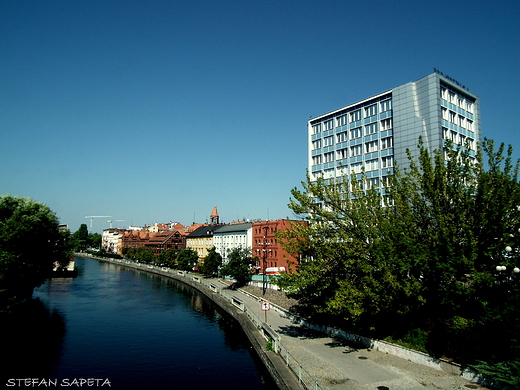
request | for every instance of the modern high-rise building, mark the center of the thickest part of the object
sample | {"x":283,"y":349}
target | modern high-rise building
{"x":374,"y":133}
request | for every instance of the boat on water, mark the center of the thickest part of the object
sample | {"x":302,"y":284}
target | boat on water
{"x":70,"y":271}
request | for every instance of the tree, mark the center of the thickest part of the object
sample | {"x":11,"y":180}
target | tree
{"x":421,"y":253}
{"x":94,"y":240}
{"x":212,"y":263}
{"x":187,"y":259}
{"x":30,"y":243}
{"x":239,"y":265}
{"x":168,"y":257}
{"x":80,"y":237}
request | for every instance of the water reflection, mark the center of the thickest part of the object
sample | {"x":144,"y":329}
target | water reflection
{"x":137,"y":329}
{"x":33,"y":337}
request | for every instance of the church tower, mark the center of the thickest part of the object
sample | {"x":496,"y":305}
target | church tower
{"x":214,"y":218}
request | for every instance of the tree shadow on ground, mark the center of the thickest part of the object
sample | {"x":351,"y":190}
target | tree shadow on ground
{"x":308,"y":334}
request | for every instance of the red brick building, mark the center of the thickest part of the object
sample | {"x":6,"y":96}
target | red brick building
{"x":175,"y":239}
{"x":267,"y":248}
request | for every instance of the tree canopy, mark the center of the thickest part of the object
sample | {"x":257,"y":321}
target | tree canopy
{"x":30,"y":243}
{"x":212,"y":263}
{"x":239,"y":265}
{"x":187,"y":259}
{"x":418,"y":254}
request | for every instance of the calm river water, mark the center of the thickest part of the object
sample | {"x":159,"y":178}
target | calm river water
{"x":136,"y":330}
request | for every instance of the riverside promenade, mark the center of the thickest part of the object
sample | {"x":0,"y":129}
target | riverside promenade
{"x":313,"y":359}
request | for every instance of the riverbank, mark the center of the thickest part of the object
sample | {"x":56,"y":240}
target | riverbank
{"x":320,"y":357}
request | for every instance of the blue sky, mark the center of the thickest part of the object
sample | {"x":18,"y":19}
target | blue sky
{"x":156,"y":111}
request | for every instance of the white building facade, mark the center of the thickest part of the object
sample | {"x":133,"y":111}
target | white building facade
{"x":229,"y":237}
{"x":374,"y":133}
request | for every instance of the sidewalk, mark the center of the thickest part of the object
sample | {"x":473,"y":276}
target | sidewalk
{"x":335,"y":365}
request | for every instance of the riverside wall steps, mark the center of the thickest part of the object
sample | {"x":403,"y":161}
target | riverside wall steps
{"x":317,"y":360}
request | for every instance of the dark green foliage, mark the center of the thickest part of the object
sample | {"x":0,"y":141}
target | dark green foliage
{"x":423,"y":268}
{"x":168,"y":257}
{"x":187,"y":259}
{"x":212,"y":263}
{"x":239,"y":265}
{"x":30,"y":243}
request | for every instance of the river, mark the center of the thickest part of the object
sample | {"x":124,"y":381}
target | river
{"x":125,"y":329}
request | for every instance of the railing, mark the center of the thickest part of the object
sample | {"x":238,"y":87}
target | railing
{"x":305,"y":379}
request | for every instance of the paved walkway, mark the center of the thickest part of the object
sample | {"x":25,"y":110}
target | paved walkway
{"x":335,"y":365}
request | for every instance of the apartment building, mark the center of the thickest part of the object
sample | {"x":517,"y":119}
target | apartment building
{"x":373,"y":134}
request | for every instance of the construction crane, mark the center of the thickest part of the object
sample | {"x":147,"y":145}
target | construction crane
{"x":96,"y":216}
{"x":115,"y":220}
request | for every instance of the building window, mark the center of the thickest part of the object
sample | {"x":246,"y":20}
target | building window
{"x":356,"y":150}
{"x":371,"y":110}
{"x":469,"y":106}
{"x":316,"y":160}
{"x":329,"y":125}
{"x":316,"y":144}
{"x":453,"y":117}
{"x":371,"y":146}
{"x":387,"y":162}
{"x":372,"y":165}
{"x":373,"y":183}
{"x":451,"y":96}
{"x":341,"y":120}
{"x":469,"y":125}
{"x":453,"y":136}
{"x":386,"y":124}
{"x":445,"y":133}
{"x":329,"y":157}
{"x":341,"y":137}
{"x":316,"y":128}
{"x":386,"y":105}
{"x":385,"y":181}
{"x":328,"y":173}
{"x":444,"y":112}
{"x":444,"y":93}
{"x":355,"y":133}
{"x":461,"y":121}
{"x":356,"y":168}
{"x":341,"y":154}
{"x":355,"y":116}
{"x":328,"y":141}
{"x":387,"y":143}
{"x":371,"y":128}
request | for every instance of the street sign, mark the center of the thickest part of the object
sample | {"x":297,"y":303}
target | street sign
{"x":266,"y":306}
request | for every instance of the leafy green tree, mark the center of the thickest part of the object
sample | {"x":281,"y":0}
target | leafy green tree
{"x":80,"y":237}
{"x":212,"y":263}
{"x":145,"y":255}
{"x":187,"y":259}
{"x":94,"y":240}
{"x":425,"y":260}
{"x":168,"y":257}
{"x":239,"y":265}
{"x":30,"y":243}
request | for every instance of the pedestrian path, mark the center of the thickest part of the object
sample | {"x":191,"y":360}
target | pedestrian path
{"x":334,"y":365}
